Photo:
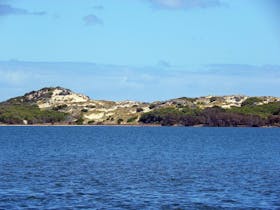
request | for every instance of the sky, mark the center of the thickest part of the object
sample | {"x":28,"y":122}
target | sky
{"x":142,"y":50}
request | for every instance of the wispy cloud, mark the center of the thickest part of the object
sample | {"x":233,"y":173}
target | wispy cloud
{"x":91,"y":20}
{"x":6,"y":9}
{"x":98,"y":7}
{"x":12,"y":77}
{"x":184,"y":4}
{"x":164,"y":64}
{"x":149,"y":83}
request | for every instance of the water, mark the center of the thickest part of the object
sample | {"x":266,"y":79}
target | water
{"x":139,"y":168}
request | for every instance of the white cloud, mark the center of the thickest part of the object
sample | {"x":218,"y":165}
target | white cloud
{"x":185,"y":4}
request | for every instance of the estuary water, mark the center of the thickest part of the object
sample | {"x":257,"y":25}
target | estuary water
{"x":139,"y":168}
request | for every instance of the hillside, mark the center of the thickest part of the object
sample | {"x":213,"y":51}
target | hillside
{"x":57,"y":105}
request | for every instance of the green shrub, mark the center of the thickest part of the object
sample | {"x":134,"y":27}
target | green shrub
{"x":80,"y":121}
{"x":132,"y":119}
{"x":15,"y":114}
{"x":264,"y":110}
{"x":267,"y":114}
{"x":251,"y":101}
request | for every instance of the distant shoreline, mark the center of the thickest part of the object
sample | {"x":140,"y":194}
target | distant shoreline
{"x":151,"y":125}
{"x":57,"y":106}
{"x":65,"y":125}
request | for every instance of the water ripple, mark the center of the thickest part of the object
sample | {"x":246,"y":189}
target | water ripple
{"x":139,"y":168}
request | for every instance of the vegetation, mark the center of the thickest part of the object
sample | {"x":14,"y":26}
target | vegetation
{"x":212,"y":99}
{"x":91,"y":106}
{"x":152,"y":106}
{"x":80,"y":121}
{"x":139,"y":109}
{"x":263,"y":111}
{"x":181,"y":111}
{"x":60,"y":107}
{"x":251,"y":101}
{"x":247,"y":115}
{"x":188,"y":99}
{"x":16,"y":114}
{"x":91,"y":122}
{"x":132,"y":119}
{"x":120,"y":121}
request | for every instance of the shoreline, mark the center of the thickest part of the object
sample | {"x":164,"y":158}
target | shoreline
{"x":116,"y":125}
{"x":66,"y":125}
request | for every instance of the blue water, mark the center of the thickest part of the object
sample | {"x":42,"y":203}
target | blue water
{"x":139,"y":168}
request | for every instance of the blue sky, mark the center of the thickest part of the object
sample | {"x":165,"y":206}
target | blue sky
{"x":140,"y":49}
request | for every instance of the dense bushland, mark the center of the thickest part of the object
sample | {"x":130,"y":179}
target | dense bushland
{"x":16,"y":114}
{"x":247,"y":115}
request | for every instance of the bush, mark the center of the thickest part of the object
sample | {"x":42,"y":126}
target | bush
{"x":60,"y":107}
{"x":252,"y":116}
{"x":91,"y":106}
{"x":251,"y":101}
{"x":80,"y":121}
{"x":212,"y":99}
{"x":139,"y":110}
{"x":152,"y":106}
{"x":132,"y":119}
{"x":91,"y":122}
{"x":263,"y":111}
{"x":15,"y":114}
{"x":120,"y":121}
